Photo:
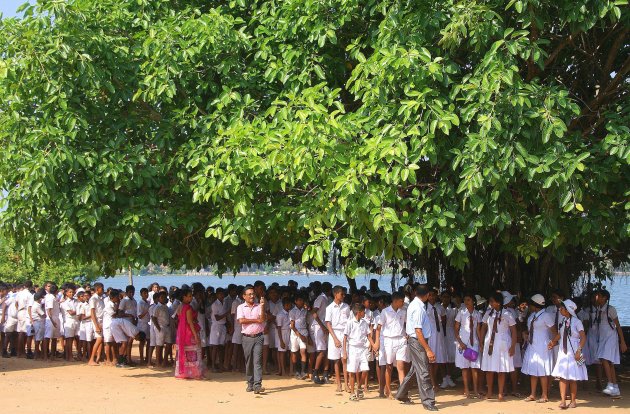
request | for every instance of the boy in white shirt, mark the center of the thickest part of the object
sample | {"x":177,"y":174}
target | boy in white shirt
{"x":283,"y":325}
{"x":85,"y":325}
{"x":110,"y":312}
{"x":52,"y":330}
{"x":128,"y":309}
{"x":71,"y":322}
{"x":299,"y":336}
{"x":337,"y":315}
{"x":357,"y":341}
{"x":161,"y":324}
{"x":237,"y":336}
{"x":218,"y":330}
{"x":319,"y":332}
{"x":391,"y":342}
{"x":143,"y":324}
{"x":38,"y":316}
{"x":97,"y":310}
{"x":24,"y":328}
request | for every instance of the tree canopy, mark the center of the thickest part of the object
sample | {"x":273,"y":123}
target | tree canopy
{"x":479,"y":141}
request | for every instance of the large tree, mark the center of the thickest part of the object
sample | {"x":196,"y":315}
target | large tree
{"x":483,"y":142}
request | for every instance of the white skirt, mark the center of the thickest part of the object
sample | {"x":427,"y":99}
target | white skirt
{"x":438,"y":346}
{"x":608,"y":348}
{"x":451,"y":346}
{"x":538,"y":361}
{"x":590,"y":348}
{"x":500,"y":360}
{"x":568,"y":369}
{"x":463,"y":363}
{"x":518,"y":356}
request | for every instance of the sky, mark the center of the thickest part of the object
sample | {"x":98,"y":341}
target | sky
{"x":8,"y":7}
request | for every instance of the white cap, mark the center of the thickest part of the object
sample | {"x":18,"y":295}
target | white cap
{"x":571,"y":307}
{"x":538,"y":299}
{"x":507,"y":297}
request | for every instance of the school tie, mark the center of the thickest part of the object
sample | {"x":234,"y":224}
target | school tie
{"x":472,"y":327}
{"x":557,"y":315}
{"x":495,"y":329}
{"x":598,"y":319}
{"x":567,"y":326}
{"x":437,"y":322}
{"x":531,"y":329}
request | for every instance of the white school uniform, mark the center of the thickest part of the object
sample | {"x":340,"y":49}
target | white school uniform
{"x":274,"y":308}
{"x":174,"y":308}
{"x":357,"y":338}
{"x":11,"y":322}
{"x":464,"y":317}
{"x":438,"y":337}
{"x":566,"y":366}
{"x":129,"y":306}
{"x":587,"y":316}
{"x":143,"y":322}
{"x":500,"y":360}
{"x":449,"y":342}
{"x":608,"y":346}
{"x":369,"y":319}
{"x":557,"y":318}
{"x":23,"y":299}
{"x":393,"y":344}
{"x":50,"y":302}
{"x":123,"y":330}
{"x":283,"y":322}
{"x":538,"y":359}
{"x":152,"y":330}
{"x":298,"y":317}
{"x":162,"y":336}
{"x":518,"y":356}
{"x":338,"y":316}
{"x":71,"y":322}
{"x":108,"y":316}
{"x":218,"y":329}
{"x":201,"y":321}
{"x":98,"y":304}
{"x":237,"y":336}
{"x":318,"y":335}
{"x":86,"y":328}
{"x":39,"y":320}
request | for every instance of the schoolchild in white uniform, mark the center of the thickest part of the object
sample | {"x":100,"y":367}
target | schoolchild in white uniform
{"x":161,"y":327}
{"x":4,"y":297}
{"x":299,"y":337}
{"x":283,"y":326}
{"x":337,"y":315}
{"x":449,"y":337}
{"x":467,"y":325}
{"x":71,"y":321}
{"x":52,"y":329}
{"x":24,"y":328}
{"x":357,"y":340}
{"x":83,"y":318}
{"x":237,"y":335}
{"x":97,"y":311}
{"x":570,"y":366}
{"x":10,"y":324}
{"x":318,"y":332}
{"x":110,"y":312}
{"x":509,"y":303}
{"x":587,"y":315}
{"x":611,"y":341}
{"x":218,"y":330}
{"x":124,"y":332}
{"x":499,"y":329}
{"x":143,"y":324}
{"x":391,"y":342}
{"x":538,"y":361}
{"x":557,"y":296}
{"x":128,"y":309}
{"x":437,"y":318}
{"x":38,"y":314}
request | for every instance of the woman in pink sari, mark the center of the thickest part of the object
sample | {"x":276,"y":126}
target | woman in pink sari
{"x":189,"y":364}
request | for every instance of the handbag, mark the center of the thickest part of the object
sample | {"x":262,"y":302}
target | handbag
{"x":471,"y":355}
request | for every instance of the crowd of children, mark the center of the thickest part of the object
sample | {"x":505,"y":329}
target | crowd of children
{"x":321,"y":334}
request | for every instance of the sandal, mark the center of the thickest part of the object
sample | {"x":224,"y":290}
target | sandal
{"x":530,"y":399}
{"x":517,"y":395}
{"x":542,"y":400}
{"x":572,"y":405}
{"x":563,"y":406}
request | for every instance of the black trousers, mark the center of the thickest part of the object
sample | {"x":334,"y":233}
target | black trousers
{"x":419,"y":372}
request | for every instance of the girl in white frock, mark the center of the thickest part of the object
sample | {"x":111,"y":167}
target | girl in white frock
{"x":509,"y":302}
{"x":587,"y":315}
{"x":571,"y":339}
{"x":449,"y":338}
{"x":538,"y":361}
{"x":467,"y":323}
{"x":499,"y":330}
{"x":437,"y":316}
{"x":611,"y":341}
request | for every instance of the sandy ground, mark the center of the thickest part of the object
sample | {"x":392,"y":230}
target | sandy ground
{"x":33,"y":387}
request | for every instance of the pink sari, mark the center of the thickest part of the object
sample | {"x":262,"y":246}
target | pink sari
{"x":189,"y":363}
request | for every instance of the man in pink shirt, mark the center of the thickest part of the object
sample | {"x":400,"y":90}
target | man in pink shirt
{"x":251,"y":316}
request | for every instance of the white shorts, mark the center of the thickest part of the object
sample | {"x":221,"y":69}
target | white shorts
{"x":51,"y":332}
{"x":161,"y":338}
{"x":286,"y":337}
{"x":24,"y":323}
{"x":70,"y":328}
{"x":392,"y":350}
{"x":357,"y":359}
{"x":39,"y":328}
{"x":86,"y":331}
{"x":319,"y":338}
{"x":335,"y":353}
{"x":123,"y":330}
{"x":218,"y":332}
{"x":10,"y":325}
{"x":271,"y":337}
{"x":296,"y":342}
{"x":97,"y":334}
{"x":107,"y":332}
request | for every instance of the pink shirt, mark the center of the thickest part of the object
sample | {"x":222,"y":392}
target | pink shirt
{"x":250,"y":312}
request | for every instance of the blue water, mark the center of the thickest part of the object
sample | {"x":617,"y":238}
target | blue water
{"x":619,"y":287}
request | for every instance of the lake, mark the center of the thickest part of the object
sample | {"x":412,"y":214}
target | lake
{"x":619,"y":287}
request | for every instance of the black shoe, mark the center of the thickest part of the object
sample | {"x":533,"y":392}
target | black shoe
{"x":30,"y":355}
{"x":430,"y":407}
{"x":259,"y":390}
{"x":318,"y":380}
{"x":327,"y":380}
{"x":405,"y":401}
{"x":249,"y":389}
{"x":5,"y":354}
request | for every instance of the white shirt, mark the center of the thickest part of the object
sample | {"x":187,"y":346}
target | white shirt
{"x":109,"y":313}
{"x":298,"y":316}
{"x":97,"y":303}
{"x":392,"y":322}
{"x":357,"y":332}
{"x":50,"y":302}
{"x":22,"y":299}
{"x":463,"y":317}
{"x":143,"y":307}
{"x":67,"y":306}
{"x":219,"y":308}
{"x":321,"y":303}
{"x":162,"y":316}
{"x":129,"y":306}
{"x":417,"y":319}
{"x":338,"y":315}
{"x":283,"y":321}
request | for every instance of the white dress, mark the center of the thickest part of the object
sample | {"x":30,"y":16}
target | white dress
{"x":463,"y":317}
{"x":518,"y":356}
{"x":587,"y":316}
{"x":500,"y":360}
{"x":437,"y":338}
{"x":566,"y":366}
{"x":451,"y":347}
{"x":538,"y":359}
{"x":608,"y":346}
{"x":557,"y":318}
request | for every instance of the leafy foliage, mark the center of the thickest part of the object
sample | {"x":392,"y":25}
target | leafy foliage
{"x":473,"y":140}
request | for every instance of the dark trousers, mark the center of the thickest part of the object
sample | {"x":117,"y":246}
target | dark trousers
{"x":252,"y":348}
{"x":419,"y":370}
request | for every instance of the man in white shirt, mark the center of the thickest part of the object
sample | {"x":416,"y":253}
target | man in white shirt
{"x":337,"y":315}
